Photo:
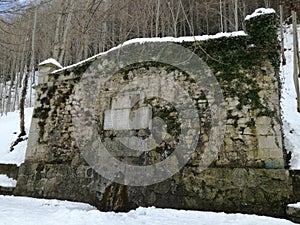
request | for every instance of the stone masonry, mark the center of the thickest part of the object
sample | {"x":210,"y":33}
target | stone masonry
{"x":247,"y":175}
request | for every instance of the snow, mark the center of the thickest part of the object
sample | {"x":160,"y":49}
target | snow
{"x":5,"y":181}
{"x":291,"y":118}
{"x":8,"y":134}
{"x":158,"y":39}
{"x":51,"y":61}
{"x":29,"y":211}
{"x":295,"y":205}
{"x":185,"y":39}
{"x":259,"y":12}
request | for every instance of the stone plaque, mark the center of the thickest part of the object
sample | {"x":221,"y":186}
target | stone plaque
{"x":127,"y":119}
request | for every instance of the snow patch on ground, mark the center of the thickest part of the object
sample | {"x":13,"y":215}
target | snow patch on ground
{"x":9,"y":132}
{"x":5,"y":181}
{"x":259,"y":12}
{"x":29,"y":211}
{"x":290,"y":116}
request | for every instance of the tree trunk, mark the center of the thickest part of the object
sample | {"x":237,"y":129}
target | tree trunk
{"x":22,"y":105}
{"x":67,"y":27}
{"x":225,"y":18}
{"x":236,"y":14}
{"x":221,"y":16}
{"x":296,"y":58}
{"x":26,"y":78}
{"x":244,"y":14}
{"x":1,"y":98}
{"x":157,"y":18}
{"x":267,"y":3}
{"x":282,"y":35}
{"x":32,"y":60}
{"x":57,"y":45}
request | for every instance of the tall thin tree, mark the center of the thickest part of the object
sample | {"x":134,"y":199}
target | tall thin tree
{"x":296,"y":58}
{"x":282,"y":34}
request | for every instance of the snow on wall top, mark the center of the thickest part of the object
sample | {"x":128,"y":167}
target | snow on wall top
{"x":185,"y":39}
{"x":259,"y":12}
{"x":296,"y":205}
{"x":158,"y":39}
{"x":51,"y":61}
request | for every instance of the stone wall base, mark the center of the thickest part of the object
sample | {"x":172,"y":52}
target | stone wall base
{"x":257,"y":191}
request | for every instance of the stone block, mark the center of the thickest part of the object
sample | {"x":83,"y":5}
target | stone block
{"x":138,"y":144}
{"x":263,"y":153}
{"x":127,"y":119}
{"x":263,"y":120}
{"x":263,"y":129}
{"x":127,"y":100}
{"x":248,"y":131}
{"x":267,"y":153}
{"x":243,"y":120}
{"x":276,"y":153}
{"x":268,"y":142}
{"x":274,"y":164}
{"x":11,"y":170}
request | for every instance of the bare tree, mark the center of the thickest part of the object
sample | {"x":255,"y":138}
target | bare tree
{"x":282,"y":34}
{"x":221,"y":16}
{"x":296,"y":58}
{"x":27,"y":75}
{"x":175,"y":11}
{"x":236,"y":15}
{"x":157,"y":18}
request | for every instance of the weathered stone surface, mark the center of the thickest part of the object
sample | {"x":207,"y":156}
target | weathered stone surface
{"x":245,"y":175}
{"x":293,"y":212}
{"x":127,"y":100}
{"x":11,"y":170}
{"x":127,"y":119}
{"x":295,"y":176}
{"x":6,"y":190}
{"x":259,"y":191}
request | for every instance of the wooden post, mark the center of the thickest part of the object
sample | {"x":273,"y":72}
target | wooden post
{"x":296,"y":58}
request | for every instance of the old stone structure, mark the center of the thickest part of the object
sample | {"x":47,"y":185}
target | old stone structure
{"x":248,"y":173}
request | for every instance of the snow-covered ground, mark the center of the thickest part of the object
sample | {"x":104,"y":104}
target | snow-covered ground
{"x":5,"y":181}
{"x":28,"y":211}
{"x":9,"y":132}
{"x":291,"y":118}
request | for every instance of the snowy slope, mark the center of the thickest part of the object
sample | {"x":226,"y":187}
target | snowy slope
{"x":28,"y":211}
{"x":291,"y":118}
{"x":9,"y":131}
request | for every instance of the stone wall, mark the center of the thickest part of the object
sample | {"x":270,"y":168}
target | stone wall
{"x":247,"y":175}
